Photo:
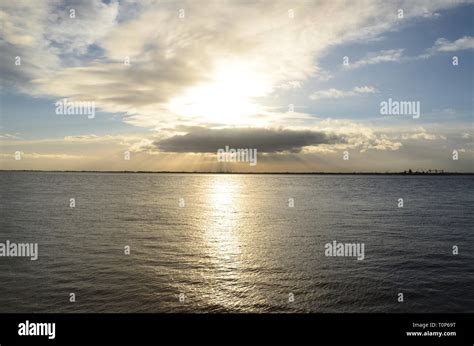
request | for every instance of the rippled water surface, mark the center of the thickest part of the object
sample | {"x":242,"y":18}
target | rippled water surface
{"x":236,"y":246}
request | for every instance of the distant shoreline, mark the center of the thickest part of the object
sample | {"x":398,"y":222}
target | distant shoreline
{"x":250,"y":173}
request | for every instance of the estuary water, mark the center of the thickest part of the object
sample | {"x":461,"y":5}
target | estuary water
{"x":236,"y":243}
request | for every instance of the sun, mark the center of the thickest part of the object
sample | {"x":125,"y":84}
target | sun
{"x":229,"y":97}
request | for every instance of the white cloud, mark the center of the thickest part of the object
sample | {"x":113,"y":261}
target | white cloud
{"x":421,"y":134}
{"x":333,"y":93}
{"x":396,"y":55}
{"x":392,"y":55}
{"x":364,"y":90}
{"x":433,"y":15}
{"x":443,"y":45}
{"x":6,"y":136}
{"x":173,"y":59}
{"x":41,"y":156}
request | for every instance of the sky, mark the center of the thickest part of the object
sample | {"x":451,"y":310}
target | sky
{"x":307,"y":84}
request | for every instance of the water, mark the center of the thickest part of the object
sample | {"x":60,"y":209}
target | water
{"x":236,"y":246}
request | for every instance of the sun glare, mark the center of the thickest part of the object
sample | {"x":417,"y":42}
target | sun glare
{"x":229,"y":97}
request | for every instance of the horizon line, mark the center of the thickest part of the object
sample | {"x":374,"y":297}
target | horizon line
{"x":253,"y":173}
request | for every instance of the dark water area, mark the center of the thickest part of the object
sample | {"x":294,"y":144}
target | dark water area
{"x":231,"y":243}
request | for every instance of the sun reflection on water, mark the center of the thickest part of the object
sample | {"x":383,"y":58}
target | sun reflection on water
{"x":221,"y":230}
{"x":223,"y":237}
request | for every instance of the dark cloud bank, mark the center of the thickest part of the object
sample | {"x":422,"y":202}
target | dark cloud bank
{"x":264,"y":140}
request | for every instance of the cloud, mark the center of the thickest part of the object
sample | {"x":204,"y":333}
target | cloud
{"x":421,"y":133}
{"x":337,"y":94}
{"x":83,"y":138}
{"x":122,"y":138}
{"x":8,"y":136}
{"x":326,"y":136}
{"x":47,"y":40}
{"x":290,"y":85}
{"x":264,"y":140}
{"x":75,"y":36}
{"x":443,"y":45}
{"x":173,"y":60}
{"x":40,"y":156}
{"x":371,"y":149}
{"x":392,"y":55}
{"x":433,"y":15}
